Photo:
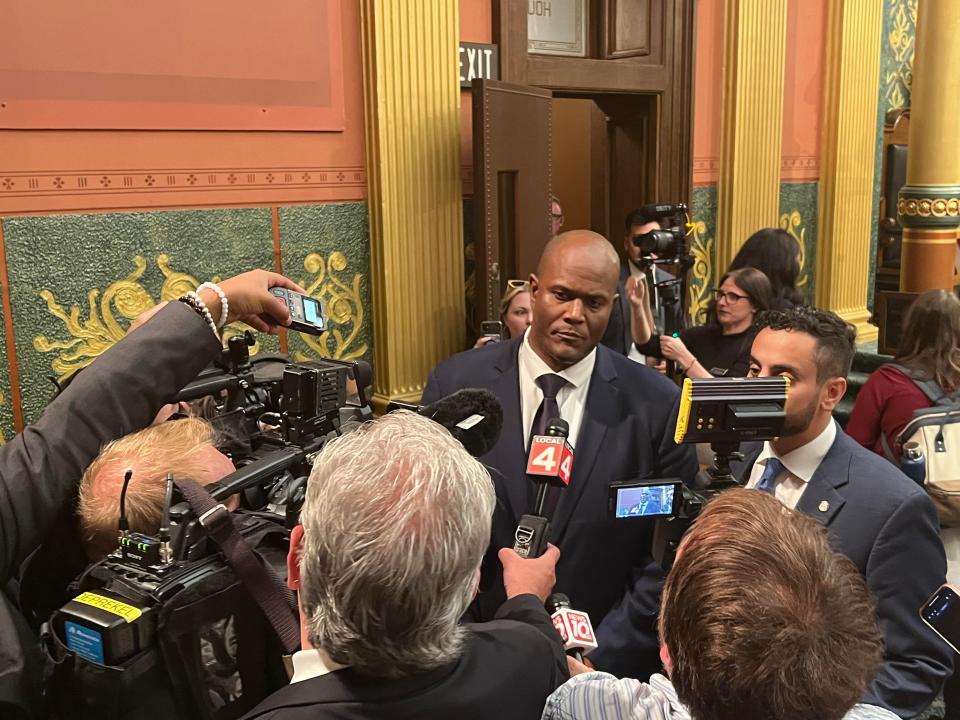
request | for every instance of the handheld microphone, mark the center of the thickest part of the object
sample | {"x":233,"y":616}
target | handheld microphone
{"x":574,"y":626}
{"x":550,"y":458}
{"x":549,"y":462}
{"x":474,"y":417}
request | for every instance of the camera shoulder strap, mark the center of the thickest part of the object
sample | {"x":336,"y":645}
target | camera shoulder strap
{"x":267,"y":589}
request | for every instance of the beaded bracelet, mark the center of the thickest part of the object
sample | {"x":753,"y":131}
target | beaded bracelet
{"x":192,"y":300}
{"x":224,"y":303}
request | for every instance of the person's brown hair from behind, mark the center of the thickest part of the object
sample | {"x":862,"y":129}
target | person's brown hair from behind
{"x":930,"y":342}
{"x":763,"y":619}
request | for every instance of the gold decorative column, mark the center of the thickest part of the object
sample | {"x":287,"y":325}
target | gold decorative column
{"x":848,"y":144}
{"x":751,"y":125}
{"x":929,"y":204}
{"x":412,"y":108}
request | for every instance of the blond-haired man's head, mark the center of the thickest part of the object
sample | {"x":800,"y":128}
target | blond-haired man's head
{"x":184,"y":447}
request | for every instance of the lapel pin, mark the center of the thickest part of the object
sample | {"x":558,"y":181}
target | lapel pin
{"x":824,"y":506}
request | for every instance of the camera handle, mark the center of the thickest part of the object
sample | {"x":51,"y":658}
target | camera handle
{"x":719,"y":476}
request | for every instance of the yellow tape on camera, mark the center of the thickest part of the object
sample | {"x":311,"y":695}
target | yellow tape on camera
{"x":127,"y":612}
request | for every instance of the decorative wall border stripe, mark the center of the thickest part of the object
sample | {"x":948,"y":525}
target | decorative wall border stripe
{"x":109,"y":182}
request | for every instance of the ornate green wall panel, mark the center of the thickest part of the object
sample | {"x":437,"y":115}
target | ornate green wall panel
{"x":326,"y":249}
{"x":76,"y":281}
{"x":703,"y":218}
{"x":798,"y":216}
{"x":896,"y":77}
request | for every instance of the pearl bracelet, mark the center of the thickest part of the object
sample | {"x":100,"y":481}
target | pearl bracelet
{"x":224,"y":303}
{"x":200,"y":307}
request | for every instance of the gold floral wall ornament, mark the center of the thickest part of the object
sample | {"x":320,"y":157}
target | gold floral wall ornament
{"x":110,"y":313}
{"x":898,"y":75}
{"x":343,"y":302}
{"x":702,"y":271}
{"x":792,"y":222}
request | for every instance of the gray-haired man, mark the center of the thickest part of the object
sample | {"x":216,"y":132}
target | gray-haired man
{"x":395,"y":524}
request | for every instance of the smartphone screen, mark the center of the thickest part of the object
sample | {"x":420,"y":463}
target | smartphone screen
{"x":942,"y":613}
{"x":649,"y":500}
{"x":311,"y":311}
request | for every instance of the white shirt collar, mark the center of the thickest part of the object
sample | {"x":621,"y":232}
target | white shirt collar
{"x":311,"y":663}
{"x":803,"y":462}
{"x":533,"y":366}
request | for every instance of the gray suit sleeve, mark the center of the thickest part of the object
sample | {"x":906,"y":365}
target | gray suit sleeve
{"x":905,"y":566}
{"x":118,"y":393}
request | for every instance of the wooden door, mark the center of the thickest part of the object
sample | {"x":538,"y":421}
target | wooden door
{"x":511,"y":187}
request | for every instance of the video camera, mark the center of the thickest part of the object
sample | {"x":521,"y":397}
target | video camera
{"x":193,"y":622}
{"x":723,"y":412}
{"x":667,"y":244}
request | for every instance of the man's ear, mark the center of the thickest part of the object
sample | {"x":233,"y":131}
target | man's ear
{"x":666,"y":659}
{"x":833,"y":391}
{"x":293,"y":558}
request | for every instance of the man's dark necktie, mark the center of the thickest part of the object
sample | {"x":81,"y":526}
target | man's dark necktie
{"x":549,"y":409}
{"x":767,"y":481}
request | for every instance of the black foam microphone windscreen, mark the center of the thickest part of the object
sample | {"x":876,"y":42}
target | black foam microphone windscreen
{"x":474,"y":417}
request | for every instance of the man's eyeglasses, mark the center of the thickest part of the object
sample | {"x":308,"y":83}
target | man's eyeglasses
{"x":731,"y":297}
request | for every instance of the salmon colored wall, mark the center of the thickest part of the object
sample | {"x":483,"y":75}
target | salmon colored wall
{"x":476,"y":25}
{"x":707,"y":85}
{"x":802,"y":95}
{"x":53,"y":171}
{"x":803,"y":89}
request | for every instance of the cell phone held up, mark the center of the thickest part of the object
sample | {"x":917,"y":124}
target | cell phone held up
{"x":492,"y":329}
{"x":306,"y":313}
{"x":942,"y":613}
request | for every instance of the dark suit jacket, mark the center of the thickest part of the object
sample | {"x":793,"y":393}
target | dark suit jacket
{"x":626,"y":434}
{"x":40,"y":467}
{"x":888,"y":527}
{"x":508,"y":668}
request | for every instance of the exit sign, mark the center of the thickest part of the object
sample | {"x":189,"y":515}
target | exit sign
{"x":478,"y":60}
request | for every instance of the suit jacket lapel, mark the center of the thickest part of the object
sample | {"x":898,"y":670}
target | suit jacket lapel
{"x":598,"y":415}
{"x":509,"y":454}
{"x":820,"y":500}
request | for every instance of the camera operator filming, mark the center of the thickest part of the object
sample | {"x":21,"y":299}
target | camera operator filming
{"x":121,"y":391}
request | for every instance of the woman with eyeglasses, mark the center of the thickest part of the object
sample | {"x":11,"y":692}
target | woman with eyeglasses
{"x":514,"y":312}
{"x":721,"y":347}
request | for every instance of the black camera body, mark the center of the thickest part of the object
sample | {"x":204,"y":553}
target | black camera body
{"x":666,"y":244}
{"x":163,"y":627}
{"x":722,"y":412}
{"x":183,"y":638}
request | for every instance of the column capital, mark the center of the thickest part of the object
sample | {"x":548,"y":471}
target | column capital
{"x":929,"y":206}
